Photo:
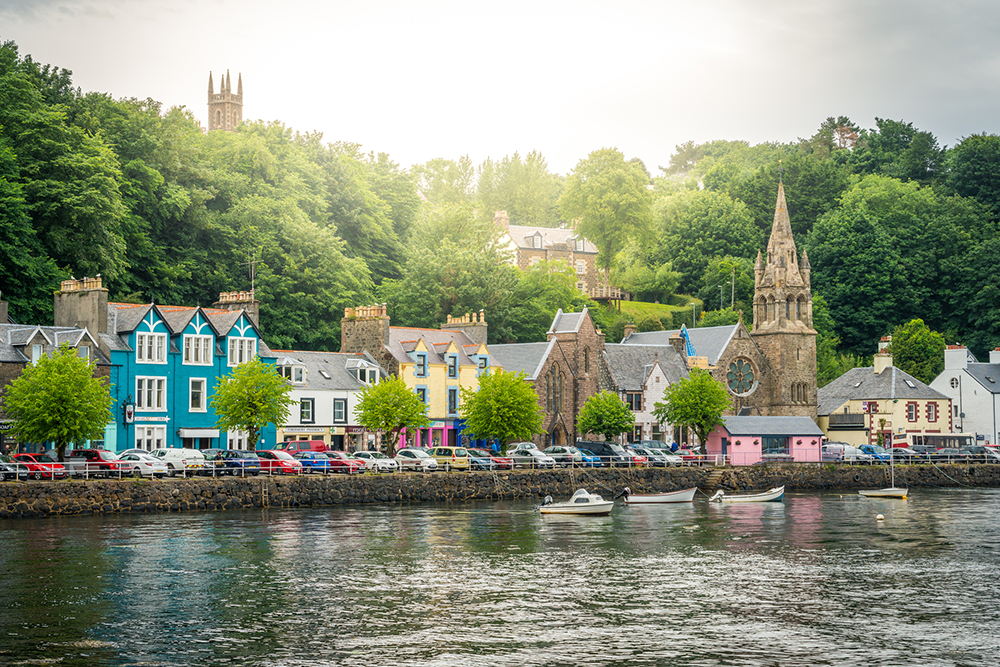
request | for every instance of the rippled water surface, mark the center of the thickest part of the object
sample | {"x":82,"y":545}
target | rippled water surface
{"x":815,"y":580}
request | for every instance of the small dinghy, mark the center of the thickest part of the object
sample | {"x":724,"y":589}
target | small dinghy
{"x":682,"y":496}
{"x":891,"y":492}
{"x":580,"y":502}
{"x":772,"y":496}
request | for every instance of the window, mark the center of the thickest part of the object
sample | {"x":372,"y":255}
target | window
{"x":586,"y":360}
{"x":36,"y":353}
{"x":367,"y":375}
{"x":306,"y":411}
{"x":294,"y":374}
{"x":422,"y":394}
{"x":579,"y":245}
{"x":196,"y":393}
{"x":634,"y":401}
{"x":340,"y":410}
{"x":954,"y":383}
{"x":483,"y":362}
{"x":536,"y":241}
{"x":151,"y":348}
{"x":535,"y":261}
{"x":421,"y":369}
{"x":911,"y":412}
{"x":452,"y":366}
{"x":198,"y":350}
{"x":452,"y":400}
{"x":241,"y":350}
{"x":932,"y":412}
{"x":774,"y":446}
{"x":237,"y":439}
{"x":151,"y":394}
{"x":150,"y":437}
{"x":83,"y":352}
{"x":581,"y":266}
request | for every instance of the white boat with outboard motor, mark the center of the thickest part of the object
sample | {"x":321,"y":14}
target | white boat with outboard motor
{"x":581,"y":502}
{"x":682,"y":496}
{"x":893,"y":491}
{"x":771,"y":496}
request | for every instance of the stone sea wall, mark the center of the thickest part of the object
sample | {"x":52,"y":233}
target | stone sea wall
{"x":40,"y":499}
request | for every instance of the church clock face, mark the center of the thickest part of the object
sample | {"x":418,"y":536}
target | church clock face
{"x":740,"y":378}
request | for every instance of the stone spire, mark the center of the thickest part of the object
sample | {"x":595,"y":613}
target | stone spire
{"x":229,"y":88}
{"x":211,"y":86}
{"x":239,"y":84}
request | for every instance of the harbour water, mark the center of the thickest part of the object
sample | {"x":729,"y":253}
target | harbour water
{"x":815,"y":580}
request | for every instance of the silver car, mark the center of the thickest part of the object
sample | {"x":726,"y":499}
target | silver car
{"x":416,"y":459}
{"x":531,"y":458}
{"x":142,"y":465}
{"x":377,"y":461}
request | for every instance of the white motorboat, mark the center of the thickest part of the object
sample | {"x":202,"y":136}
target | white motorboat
{"x":893,"y":491}
{"x":682,"y":496}
{"x":771,"y":496}
{"x":580,"y":502}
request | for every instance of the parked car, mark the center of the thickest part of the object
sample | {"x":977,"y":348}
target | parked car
{"x":658,"y":458}
{"x":832,"y":453}
{"x":341,"y":462}
{"x":416,"y":459}
{"x":521,"y":445}
{"x":278,"y":462}
{"x":611,"y":454}
{"x":531,"y":458}
{"x":181,"y":460}
{"x":480,"y":462}
{"x":11,"y":469}
{"x":42,"y":466}
{"x":907,"y":455}
{"x":589,"y":459}
{"x":377,"y":461}
{"x":849,"y":452}
{"x":452,"y":458}
{"x":984,"y":454}
{"x":501,"y":462}
{"x":142,"y":465}
{"x":953,"y":454}
{"x":319,"y":462}
{"x":564,"y":455}
{"x":877,"y":452}
{"x":231,"y":462}
{"x":292,"y":446}
{"x":671,"y":458}
{"x":93,"y":463}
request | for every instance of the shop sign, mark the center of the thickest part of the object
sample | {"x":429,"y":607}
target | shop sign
{"x":354,"y":429}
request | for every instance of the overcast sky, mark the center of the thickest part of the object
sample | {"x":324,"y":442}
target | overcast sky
{"x":438,"y":78}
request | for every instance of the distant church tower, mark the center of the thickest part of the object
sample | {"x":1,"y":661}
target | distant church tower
{"x":782,"y":320}
{"x":225,"y":110}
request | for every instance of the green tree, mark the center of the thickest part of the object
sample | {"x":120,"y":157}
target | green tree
{"x":718,"y":318}
{"x":505,"y":408}
{"x":830,"y":362}
{"x":249,"y":398}
{"x":609,"y":200}
{"x":58,"y":399}
{"x":607,"y":414}
{"x":898,"y":150}
{"x":388,"y":407}
{"x":444,"y":181}
{"x":917,"y":350}
{"x":974,"y":169}
{"x":696,"y":402}
{"x":523,"y":188}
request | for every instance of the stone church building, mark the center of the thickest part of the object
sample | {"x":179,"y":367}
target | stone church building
{"x":225,"y":108}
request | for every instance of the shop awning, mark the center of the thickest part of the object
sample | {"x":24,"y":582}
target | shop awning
{"x":198,"y":432}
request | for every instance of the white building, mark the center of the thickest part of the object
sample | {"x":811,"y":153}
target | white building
{"x":326,"y":388}
{"x":974,"y":389}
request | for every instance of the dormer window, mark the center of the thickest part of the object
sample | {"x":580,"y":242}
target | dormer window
{"x":536,"y":241}
{"x":198,"y":350}
{"x":151,"y":348}
{"x":368,"y":375}
{"x":294,"y":374}
{"x":36,"y":353}
{"x":241,"y":350}
{"x":83,"y":352}
{"x":579,"y":244}
{"x":483,"y":361}
{"x":452,"y":366}
{"x":421,"y":368}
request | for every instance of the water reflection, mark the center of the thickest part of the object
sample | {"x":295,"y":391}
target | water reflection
{"x":815,"y":580}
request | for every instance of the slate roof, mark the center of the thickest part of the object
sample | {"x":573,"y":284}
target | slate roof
{"x":862,"y":384}
{"x":335,"y":364}
{"x":567,"y":322}
{"x":708,"y":342}
{"x":15,"y":337}
{"x":630,"y":364}
{"x":521,"y":235}
{"x":404,"y":339}
{"x":527,"y":357}
{"x":988,"y":375}
{"x":771,"y":426}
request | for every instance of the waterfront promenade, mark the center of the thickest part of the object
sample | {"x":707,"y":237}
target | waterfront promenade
{"x":130,"y":496}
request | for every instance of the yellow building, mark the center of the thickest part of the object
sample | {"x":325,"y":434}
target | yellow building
{"x":864,"y":402}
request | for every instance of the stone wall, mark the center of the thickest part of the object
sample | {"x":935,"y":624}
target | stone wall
{"x":40,"y":499}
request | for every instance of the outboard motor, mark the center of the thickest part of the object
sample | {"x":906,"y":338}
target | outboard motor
{"x":547,"y":501}
{"x":624,"y":493}
{"x":718,"y":495}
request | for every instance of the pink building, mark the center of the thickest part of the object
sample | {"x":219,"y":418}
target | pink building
{"x":749,"y":440}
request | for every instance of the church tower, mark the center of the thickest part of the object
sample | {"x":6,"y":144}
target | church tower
{"x":225,"y":110}
{"x":782,"y":321}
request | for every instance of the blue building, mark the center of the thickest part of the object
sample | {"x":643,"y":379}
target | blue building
{"x":165,"y":362}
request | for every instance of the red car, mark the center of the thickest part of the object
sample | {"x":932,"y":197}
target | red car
{"x":341,"y":462}
{"x":278,"y":462}
{"x":41,"y":466}
{"x":503,"y":462}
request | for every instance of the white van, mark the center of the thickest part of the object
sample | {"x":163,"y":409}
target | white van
{"x":841,"y":451}
{"x":181,"y":460}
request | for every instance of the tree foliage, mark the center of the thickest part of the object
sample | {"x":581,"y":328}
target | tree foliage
{"x":58,"y":399}
{"x":523,"y":188}
{"x":504,"y":407}
{"x":389,"y":407}
{"x":605,"y":413}
{"x":917,"y":350}
{"x":249,"y":398}
{"x":696,"y":402}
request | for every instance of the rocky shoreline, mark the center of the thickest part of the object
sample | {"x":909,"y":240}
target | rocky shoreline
{"x":62,"y":498}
